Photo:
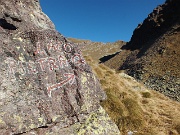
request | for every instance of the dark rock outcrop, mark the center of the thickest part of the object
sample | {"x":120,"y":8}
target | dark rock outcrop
{"x":46,"y":87}
{"x":157,"y":23}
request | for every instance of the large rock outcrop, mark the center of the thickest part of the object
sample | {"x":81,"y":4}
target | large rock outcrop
{"x":153,"y":53}
{"x":46,"y":87}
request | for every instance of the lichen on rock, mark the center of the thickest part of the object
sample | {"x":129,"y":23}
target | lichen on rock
{"x":46,"y":87}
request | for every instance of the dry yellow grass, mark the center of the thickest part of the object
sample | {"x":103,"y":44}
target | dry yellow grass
{"x":135,"y":108}
{"x":97,"y":49}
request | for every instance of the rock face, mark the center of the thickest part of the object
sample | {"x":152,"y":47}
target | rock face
{"x":153,"y":53}
{"x":157,"y":23}
{"x":46,"y":87}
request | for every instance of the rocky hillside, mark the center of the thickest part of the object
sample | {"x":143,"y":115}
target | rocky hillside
{"x":46,"y":87}
{"x":99,"y":51}
{"x":153,"y":53}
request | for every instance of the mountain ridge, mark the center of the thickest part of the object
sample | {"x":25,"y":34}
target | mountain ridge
{"x":152,"y":55}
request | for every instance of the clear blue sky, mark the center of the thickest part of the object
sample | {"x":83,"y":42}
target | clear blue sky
{"x":98,"y":20}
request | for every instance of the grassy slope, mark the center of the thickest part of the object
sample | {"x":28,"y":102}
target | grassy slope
{"x":97,"y":49}
{"x":135,"y":108}
{"x":129,"y":104}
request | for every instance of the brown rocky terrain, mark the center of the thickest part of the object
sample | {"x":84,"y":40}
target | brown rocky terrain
{"x":99,"y":51}
{"x":153,"y":54}
{"x":46,"y":87}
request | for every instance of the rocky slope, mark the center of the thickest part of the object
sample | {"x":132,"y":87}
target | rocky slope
{"x":153,"y":53}
{"x":46,"y":87}
{"x":99,"y":51}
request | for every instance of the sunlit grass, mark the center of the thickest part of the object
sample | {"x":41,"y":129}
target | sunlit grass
{"x":134,"y":108}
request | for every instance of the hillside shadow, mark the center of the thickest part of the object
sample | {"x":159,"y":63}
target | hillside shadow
{"x":108,"y":57}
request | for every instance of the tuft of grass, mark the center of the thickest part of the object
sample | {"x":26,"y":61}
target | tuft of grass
{"x":145,"y":101}
{"x":134,"y":119}
{"x":103,"y":82}
{"x":133,"y":108}
{"x":109,"y":72}
{"x":123,"y":95}
{"x":146,"y":94}
{"x":127,"y":122}
{"x":114,"y":105}
{"x":99,"y":72}
{"x":88,"y":59}
{"x":102,"y":66}
{"x":126,"y":113}
{"x":177,"y":127}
